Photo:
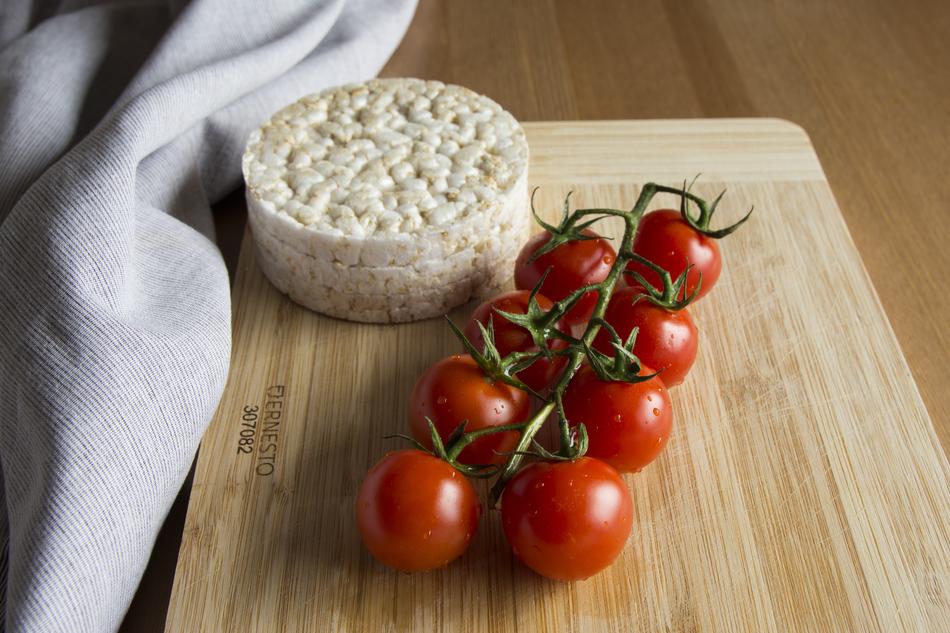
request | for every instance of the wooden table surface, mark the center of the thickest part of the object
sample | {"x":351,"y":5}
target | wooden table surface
{"x":869,"y":81}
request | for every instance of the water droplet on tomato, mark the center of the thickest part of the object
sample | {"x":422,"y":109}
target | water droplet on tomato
{"x":617,"y":418}
{"x":442,"y":400}
{"x":649,"y":398}
{"x":608,"y":259}
{"x":656,"y":411}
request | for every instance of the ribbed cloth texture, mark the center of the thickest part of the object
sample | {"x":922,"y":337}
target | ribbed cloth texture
{"x":120,"y":122}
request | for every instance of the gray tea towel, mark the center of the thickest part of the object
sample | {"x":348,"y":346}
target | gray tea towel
{"x":120,"y":121}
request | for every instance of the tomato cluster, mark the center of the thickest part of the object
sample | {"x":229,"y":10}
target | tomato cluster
{"x":567,"y":515}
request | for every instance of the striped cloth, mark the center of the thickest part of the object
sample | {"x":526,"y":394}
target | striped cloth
{"x":120,"y":122}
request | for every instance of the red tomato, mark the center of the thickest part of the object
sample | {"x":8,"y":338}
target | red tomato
{"x":567,"y":520}
{"x":572,"y":265}
{"x":665,"y":239}
{"x":415,"y":512}
{"x":667,"y":339}
{"x":627,"y":424}
{"x":510,"y":337}
{"x":455,"y":389}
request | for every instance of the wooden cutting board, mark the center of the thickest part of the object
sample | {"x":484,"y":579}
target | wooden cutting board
{"x":802,"y":489}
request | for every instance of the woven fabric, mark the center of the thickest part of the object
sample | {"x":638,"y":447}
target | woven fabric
{"x":120,"y":122}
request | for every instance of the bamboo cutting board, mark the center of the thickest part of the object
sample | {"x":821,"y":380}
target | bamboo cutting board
{"x":803,"y":487}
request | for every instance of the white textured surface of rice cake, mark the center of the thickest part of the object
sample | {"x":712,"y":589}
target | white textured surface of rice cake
{"x":393,"y":200}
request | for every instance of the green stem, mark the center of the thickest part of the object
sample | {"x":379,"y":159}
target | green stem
{"x":564,"y":426}
{"x":560,"y":308}
{"x":471,"y":436}
{"x":528,"y":433}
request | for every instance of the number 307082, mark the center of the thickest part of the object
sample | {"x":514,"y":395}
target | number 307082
{"x":248,"y":429}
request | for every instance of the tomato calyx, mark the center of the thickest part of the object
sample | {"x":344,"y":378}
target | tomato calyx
{"x":452,"y":447}
{"x":574,"y":448}
{"x":490,"y":360}
{"x":672,"y":295}
{"x":700,"y":224}
{"x":623,"y":366}
{"x":567,"y":230}
{"x":542,"y":324}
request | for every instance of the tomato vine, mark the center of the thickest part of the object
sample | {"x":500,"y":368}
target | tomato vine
{"x":568,"y":515}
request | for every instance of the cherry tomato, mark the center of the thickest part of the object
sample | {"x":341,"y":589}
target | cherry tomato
{"x":667,"y":339}
{"x":454,"y":390}
{"x":415,"y":512}
{"x":510,"y":337}
{"x":567,"y":520}
{"x":665,"y":239}
{"x":627,"y":424}
{"x":572,"y":265}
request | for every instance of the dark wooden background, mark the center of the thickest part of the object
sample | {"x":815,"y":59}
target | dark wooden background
{"x":869,"y":80}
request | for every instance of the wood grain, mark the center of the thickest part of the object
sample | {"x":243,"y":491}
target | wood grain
{"x":803,"y":488}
